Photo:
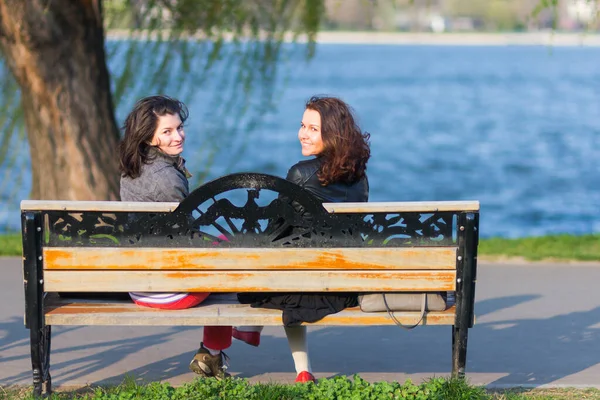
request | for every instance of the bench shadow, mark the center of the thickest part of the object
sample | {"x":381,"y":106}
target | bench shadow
{"x":338,"y":350}
{"x":267,"y":358}
{"x":15,"y":335}
{"x":541,"y":351}
{"x":12,"y":334}
{"x":109,"y":352}
{"x":526,"y":351}
{"x":488,"y":306}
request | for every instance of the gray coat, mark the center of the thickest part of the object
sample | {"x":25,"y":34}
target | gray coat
{"x":162,"y":179}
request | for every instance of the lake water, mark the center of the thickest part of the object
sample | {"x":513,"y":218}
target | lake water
{"x":516,"y":128}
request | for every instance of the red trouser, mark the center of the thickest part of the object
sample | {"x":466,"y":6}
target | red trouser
{"x":217,"y":337}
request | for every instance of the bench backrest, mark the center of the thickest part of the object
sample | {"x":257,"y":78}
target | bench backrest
{"x":208,"y":243}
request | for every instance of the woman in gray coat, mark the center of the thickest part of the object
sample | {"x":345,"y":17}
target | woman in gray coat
{"x":152,"y":169}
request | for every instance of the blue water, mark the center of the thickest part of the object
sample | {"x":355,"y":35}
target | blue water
{"x":516,"y":128}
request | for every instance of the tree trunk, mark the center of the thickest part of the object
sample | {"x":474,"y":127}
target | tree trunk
{"x":55,"y":50}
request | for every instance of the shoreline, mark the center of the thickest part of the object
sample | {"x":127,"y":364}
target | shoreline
{"x":552,"y":39}
{"x":542,"y":38}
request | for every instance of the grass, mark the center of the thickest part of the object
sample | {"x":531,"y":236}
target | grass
{"x":339,"y":387}
{"x":10,"y":244}
{"x":554,"y":247}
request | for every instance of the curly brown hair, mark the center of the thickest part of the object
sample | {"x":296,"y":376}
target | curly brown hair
{"x":346,"y":148}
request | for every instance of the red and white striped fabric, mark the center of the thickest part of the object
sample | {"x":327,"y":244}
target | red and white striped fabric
{"x":168,"y":301}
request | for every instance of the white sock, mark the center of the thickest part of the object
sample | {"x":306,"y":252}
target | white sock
{"x":212,"y":352}
{"x":296,"y":337}
{"x":249,"y":328}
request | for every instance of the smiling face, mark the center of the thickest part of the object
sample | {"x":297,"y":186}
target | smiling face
{"x":169,"y":135}
{"x":310,"y":133}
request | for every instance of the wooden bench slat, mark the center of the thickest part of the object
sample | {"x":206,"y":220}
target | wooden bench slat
{"x":115,"y":206}
{"x":108,"y":206}
{"x":407,"y":258}
{"x":405,"y":206}
{"x":72,"y":312}
{"x":248,"y":281}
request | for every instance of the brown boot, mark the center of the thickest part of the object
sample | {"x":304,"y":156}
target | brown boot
{"x":207,"y":365}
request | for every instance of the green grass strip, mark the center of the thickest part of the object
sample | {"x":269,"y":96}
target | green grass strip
{"x":339,"y":387}
{"x":558,"y":247}
{"x":10,"y":244}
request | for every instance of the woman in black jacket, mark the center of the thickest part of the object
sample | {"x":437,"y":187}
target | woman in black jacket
{"x":337,"y":173}
{"x":329,"y":132}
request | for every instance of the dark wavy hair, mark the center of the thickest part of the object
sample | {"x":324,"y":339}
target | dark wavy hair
{"x":139,"y":128}
{"x":345,"y":147}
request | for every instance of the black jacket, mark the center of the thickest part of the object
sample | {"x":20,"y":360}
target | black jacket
{"x":304,"y":174}
{"x":311,"y":307}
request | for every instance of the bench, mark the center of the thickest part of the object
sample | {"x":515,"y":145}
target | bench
{"x":242,"y":233}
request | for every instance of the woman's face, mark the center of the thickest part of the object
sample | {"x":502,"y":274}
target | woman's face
{"x":169,"y":135}
{"x":310,"y":133}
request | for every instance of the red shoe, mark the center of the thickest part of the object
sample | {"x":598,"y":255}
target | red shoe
{"x":252,"y":338}
{"x":304,"y":377}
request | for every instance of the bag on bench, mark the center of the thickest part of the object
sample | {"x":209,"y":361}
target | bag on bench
{"x":390,"y":302}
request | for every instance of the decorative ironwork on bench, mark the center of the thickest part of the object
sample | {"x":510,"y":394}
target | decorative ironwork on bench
{"x":242,"y":210}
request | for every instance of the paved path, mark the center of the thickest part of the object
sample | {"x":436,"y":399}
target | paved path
{"x":537,"y":324}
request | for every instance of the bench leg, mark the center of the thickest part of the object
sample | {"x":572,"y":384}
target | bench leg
{"x":40,"y":360}
{"x":459,"y":351}
{"x":466,"y":267}
{"x":39,"y":333}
